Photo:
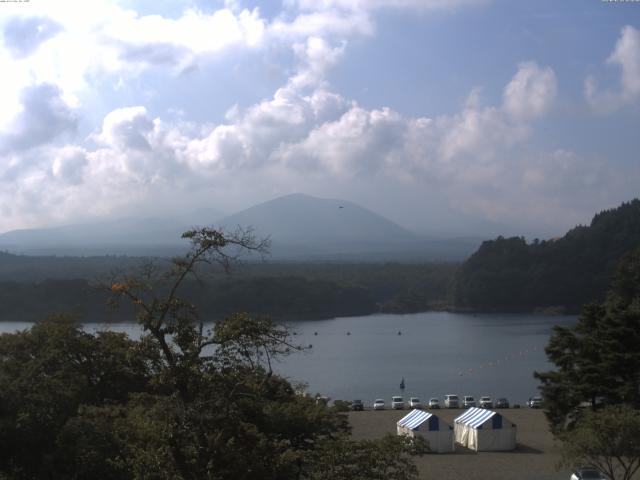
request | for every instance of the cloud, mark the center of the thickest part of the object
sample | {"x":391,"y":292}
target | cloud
{"x":23,"y":35}
{"x":126,"y":129}
{"x":68,"y":164}
{"x":153,"y":39}
{"x":626,"y":55}
{"x":44,"y":116}
{"x":304,"y":134}
{"x":377,"y":4}
{"x":531,"y":92}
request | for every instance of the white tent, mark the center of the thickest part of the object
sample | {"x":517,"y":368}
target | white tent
{"x":484,"y":430}
{"x":437,"y":433}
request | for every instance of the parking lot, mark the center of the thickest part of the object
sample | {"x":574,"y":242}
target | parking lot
{"x":535,"y":458}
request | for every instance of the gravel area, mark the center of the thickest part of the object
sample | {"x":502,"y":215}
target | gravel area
{"x":536,"y":456}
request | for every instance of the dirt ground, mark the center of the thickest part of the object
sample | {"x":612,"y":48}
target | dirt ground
{"x":535,"y":457}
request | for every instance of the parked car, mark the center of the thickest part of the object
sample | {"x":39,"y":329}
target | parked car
{"x":534,"y":402}
{"x":397,"y":403}
{"x":468,"y":402}
{"x":451,"y":401}
{"x":378,"y":404}
{"x":485,"y":402}
{"x":587,"y":473}
{"x":414,"y":402}
{"x":433,"y":403}
{"x":357,"y":406}
{"x":502,"y":403}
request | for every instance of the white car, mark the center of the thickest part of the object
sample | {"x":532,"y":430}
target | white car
{"x":485,"y":402}
{"x":397,"y":403}
{"x":414,"y":402}
{"x":451,"y":401}
{"x":468,"y":402}
{"x":433,"y":403}
{"x":378,"y":404}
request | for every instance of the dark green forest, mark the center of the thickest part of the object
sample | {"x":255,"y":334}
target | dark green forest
{"x":33,"y":287}
{"x":509,"y":274}
{"x":505,"y":274}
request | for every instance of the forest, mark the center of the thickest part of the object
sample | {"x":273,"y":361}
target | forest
{"x":506,"y":274}
{"x":509,"y":274}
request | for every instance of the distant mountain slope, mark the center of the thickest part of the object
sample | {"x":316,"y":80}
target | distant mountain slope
{"x":304,"y":228}
{"x":138,"y":236}
{"x":302,"y":219}
{"x":301,"y":227}
{"x":509,"y":274}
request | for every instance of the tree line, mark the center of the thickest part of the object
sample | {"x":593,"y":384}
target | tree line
{"x":180,"y":403}
{"x":592,"y":397}
{"x":560,"y":274}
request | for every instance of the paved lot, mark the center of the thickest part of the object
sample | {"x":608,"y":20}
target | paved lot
{"x":535,"y":458}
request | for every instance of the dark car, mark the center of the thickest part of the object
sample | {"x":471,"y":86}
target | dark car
{"x":357,"y":406}
{"x":587,"y":473}
{"x":502,"y":403}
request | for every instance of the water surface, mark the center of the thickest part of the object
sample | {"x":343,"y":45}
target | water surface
{"x":436,"y":353}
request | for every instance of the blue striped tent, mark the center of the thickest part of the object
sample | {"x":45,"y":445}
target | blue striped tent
{"x":437,"y":433}
{"x":484,"y":430}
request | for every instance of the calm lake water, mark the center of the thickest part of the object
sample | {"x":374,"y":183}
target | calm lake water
{"x":436,"y":353}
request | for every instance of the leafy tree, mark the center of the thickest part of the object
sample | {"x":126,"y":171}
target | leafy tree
{"x":47,"y":373}
{"x":608,"y":439}
{"x":598,"y":359}
{"x":180,"y":403}
{"x":563,"y":273}
{"x":386,"y":459}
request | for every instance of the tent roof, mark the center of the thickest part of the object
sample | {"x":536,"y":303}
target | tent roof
{"x":474,"y":417}
{"x":414,"y":419}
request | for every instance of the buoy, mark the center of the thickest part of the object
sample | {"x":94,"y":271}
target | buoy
{"x":348,"y":333}
{"x":399,"y":333}
{"x":315,"y":333}
{"x":310,"y":345}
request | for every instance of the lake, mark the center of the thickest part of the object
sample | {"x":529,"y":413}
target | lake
{"x":436,"y":352}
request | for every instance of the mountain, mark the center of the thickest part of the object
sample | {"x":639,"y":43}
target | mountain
{"x":130,"y":236}
{"x":567,"y":272}
{"x":301,"y":228}
{"x":302,"y":219}
{"x":305,"y":228}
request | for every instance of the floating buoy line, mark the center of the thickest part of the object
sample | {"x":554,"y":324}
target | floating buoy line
{"x":499,"y":361}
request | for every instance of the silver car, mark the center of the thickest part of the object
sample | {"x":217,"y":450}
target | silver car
{"x":451,"y":401}
{"x":397,"y":403}
{"x":468,"y":402}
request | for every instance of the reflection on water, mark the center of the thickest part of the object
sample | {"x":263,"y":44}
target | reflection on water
{"x":436,"y":352}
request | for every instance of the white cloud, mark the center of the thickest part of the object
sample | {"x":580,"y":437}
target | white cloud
{"x":23,"y":35}
{"x":376,"y":4}
{"x":626,"y":55}
{"x":303,"y":137}
{"x":531,"y":92}
{"x":43,"y":116}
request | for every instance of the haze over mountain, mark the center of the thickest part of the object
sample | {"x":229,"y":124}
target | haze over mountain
{"x":126,"y":236}
{"x":300,"y":227}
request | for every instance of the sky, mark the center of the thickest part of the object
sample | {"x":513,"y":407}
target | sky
{"x":465,"y":117}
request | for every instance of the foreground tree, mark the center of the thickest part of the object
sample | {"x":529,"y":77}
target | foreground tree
{"x":181,"y":403}
{"x":607,"y":439}
{"x":598,"y":359}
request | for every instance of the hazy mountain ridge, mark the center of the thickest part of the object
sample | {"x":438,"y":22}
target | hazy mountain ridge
{"x":301,"y":227}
